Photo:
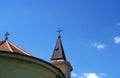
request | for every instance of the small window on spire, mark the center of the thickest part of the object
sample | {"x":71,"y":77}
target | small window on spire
{"x":57,"y":49}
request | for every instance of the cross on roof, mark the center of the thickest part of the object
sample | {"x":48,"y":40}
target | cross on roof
{"x":6,"y":35}
{"x":59,"y":31}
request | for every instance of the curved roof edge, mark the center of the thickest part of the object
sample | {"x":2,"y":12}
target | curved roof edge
{"x":32,"y":59}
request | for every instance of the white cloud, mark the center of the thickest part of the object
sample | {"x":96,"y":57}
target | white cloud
{"x":117,"y":39}
{"x":92,"y":75}
{"x":73,"y":74}
{"x":98,"y":46}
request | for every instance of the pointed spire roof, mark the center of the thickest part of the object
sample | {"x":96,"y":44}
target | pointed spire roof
{"x":5,"y":45}
{"x":58,"y":53}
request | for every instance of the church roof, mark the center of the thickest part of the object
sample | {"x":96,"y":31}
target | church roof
{"x":5,"y":45}
{"x":58,"y":53}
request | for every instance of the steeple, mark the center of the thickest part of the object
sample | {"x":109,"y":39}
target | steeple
{"x":59,"y":59}
{"x":58,"y":53}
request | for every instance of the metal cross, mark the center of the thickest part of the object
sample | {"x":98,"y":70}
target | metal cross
{"x":59,"y":31}
{"x":6,"y":35}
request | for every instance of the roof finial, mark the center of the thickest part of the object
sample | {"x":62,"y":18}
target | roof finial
{"x":59,"y":31}
{"x":6,"y":35}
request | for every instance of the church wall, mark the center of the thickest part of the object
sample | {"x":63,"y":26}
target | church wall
{"x":18,"y":68}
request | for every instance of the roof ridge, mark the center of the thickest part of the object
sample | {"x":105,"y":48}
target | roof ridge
{"x":6,"y":45}
{"x":9,"y":46}
{"x":23,"y":51}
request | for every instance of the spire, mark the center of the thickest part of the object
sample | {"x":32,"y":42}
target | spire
{"x":58,"y":53}
{"x":59,"y":59}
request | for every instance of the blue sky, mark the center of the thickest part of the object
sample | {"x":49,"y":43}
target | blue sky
{"x":91,"y":32}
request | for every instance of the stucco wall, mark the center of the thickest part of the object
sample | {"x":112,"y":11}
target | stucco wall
{"x":26,"y":67}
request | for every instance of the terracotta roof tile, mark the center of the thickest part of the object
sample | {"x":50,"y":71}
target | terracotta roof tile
{"x":5,"y":45}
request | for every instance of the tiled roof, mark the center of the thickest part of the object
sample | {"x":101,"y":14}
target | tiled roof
{"x":5,"y":45}
{"x":58,"y":53}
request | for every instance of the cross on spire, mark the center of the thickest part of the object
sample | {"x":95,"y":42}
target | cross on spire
{"x":6,"y":35}
{"x":59,"y":31}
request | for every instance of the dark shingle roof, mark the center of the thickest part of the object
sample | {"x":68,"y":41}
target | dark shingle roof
{"x":58,"y":53}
